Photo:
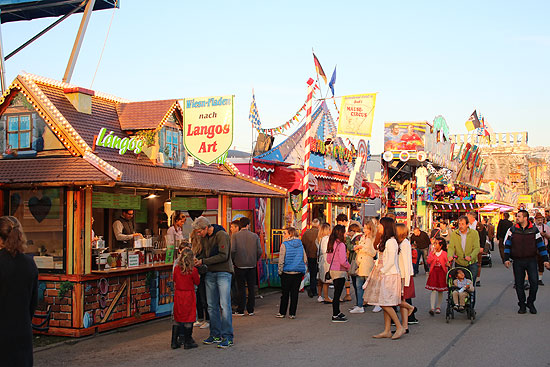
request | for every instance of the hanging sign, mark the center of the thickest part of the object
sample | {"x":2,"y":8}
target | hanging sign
{"x":356,"y":115}
{"x":208,"y":127}
{"x":189,"y":203}
{"x":108,"y":140}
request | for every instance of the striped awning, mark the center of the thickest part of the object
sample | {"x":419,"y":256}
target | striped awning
{"x":456,"y":207}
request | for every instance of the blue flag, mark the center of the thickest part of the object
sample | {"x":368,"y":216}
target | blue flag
{"x":332,"y":81}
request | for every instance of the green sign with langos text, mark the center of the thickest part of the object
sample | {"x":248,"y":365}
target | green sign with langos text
{"x":108,"y":140}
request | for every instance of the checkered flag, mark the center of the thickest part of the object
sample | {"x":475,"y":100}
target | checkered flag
{"x":253,"y":116}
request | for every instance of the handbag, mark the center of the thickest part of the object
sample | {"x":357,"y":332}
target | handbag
{"x":354,"y":267}
{"x":327,"y":274}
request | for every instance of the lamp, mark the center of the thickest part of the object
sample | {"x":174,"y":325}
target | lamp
{"x":152,"y":196}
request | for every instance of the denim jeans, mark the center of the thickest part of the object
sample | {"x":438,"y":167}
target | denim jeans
{"x":359,"y":281}
{"x":218,"y":296}
{"x":521,"y":266}
{"x":424,"y":254}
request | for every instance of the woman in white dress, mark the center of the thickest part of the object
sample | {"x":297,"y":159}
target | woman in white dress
{"x":384,"y":284}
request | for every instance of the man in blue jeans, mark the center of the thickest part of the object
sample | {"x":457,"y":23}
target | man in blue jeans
{"x":216,"y":247}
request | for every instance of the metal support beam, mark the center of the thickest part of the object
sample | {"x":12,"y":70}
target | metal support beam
{"x":78,"y":41}
{"x":3,"y":85}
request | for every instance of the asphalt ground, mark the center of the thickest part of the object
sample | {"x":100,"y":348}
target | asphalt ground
{"x":499,"y":337}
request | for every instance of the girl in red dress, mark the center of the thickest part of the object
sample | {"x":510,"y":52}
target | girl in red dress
{"x":186,"y":277}
{"x":437,"y":280}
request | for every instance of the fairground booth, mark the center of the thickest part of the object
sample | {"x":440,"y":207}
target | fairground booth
{"x":330,"y":189}
{"x":73,"y":159}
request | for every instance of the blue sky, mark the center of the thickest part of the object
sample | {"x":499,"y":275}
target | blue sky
{"x":424,"y":58}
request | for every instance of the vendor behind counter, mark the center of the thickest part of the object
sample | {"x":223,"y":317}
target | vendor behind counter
{"x":124,"y":230}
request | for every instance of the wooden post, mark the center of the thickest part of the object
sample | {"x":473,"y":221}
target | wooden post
{"x":78,"y":241}
{"x":70,"y":227}
{"x":87,"y":238}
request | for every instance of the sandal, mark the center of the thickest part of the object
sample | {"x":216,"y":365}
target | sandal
{"x":431,"y":312}
{"x":438,"y":310}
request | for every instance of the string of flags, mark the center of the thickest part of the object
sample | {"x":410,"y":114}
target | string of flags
{"x":255,"y":118}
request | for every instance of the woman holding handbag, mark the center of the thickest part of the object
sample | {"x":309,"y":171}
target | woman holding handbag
{"x":339,"y":266}
{"x":322,"y":243}
{"x":365,"y":254}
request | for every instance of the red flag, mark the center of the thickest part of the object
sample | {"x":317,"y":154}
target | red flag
{"x":319,"y":68}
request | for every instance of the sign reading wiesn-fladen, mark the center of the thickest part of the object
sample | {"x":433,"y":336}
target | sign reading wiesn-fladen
{"x":208,"y":127}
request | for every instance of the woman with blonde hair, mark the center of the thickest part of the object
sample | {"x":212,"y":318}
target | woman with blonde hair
{"x":365,"y":261}
{"x":322,"y":242}
{"x":18,"y":295}
{"x":406,"y":271}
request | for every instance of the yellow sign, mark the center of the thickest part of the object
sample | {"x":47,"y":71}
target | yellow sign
{"x":525,"y":199}
{"x":208,"y":127}
{"x":356,"y":115}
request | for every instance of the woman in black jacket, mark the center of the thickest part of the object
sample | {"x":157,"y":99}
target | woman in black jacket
{"x":18,"y":295}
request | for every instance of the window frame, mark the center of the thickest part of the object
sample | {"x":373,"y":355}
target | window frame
{"x":19,"y":131}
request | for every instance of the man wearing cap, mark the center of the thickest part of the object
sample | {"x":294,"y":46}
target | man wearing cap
{"x":545,"y":233}
{"x":522,"y":244}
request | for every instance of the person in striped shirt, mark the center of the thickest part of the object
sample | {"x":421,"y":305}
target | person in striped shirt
{"x":522,"y":243}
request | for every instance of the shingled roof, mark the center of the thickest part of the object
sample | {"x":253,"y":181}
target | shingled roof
{"x":99,"y":164}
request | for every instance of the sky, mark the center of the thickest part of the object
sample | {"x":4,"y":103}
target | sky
{"x":423,"y":58}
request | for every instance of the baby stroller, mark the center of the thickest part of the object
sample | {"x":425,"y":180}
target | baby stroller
{"x":469,"y":307}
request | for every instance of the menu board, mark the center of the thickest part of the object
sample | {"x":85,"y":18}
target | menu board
{"x":188,"y":203}
{"x":107,"y":200}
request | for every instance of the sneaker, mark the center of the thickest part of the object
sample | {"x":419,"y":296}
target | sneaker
{"x":226,"y":343}
{"x":309,"y":293}
{"x":197,"y":323}
{"x":412,"y":320}
{"x":522,"y":309}
{"x":237,"y":313}
{"x":540,"y":282}
{"x":251,"y":314}
{"x":532,"y":309}
{"x":377,"y":309}
{"x":357,"y":309}
{"x":212,"y":340}
{"x":292,"y":317}
{"x":280,"y":316}
{"x":320,"y":299}
{"x":205,"y":325}
{"x":340,"y":318}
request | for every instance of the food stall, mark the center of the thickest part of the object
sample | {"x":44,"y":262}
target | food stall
{"x":72,"y":160}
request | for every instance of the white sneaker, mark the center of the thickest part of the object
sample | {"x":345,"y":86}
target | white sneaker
{"x":320,"y":299}
{"x":205,"y":325}
{"x":377,"y":309}
{"x":357,"y":309}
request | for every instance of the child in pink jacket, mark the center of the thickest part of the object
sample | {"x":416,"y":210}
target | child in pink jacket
{"x":437,"y":280}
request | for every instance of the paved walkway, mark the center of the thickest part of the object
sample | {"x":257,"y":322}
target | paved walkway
{"x":500,"y":337}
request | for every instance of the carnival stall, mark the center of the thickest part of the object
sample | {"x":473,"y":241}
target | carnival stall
{"x":74,"y":159}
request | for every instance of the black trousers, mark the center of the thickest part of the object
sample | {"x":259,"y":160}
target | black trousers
{"x":521,"y":266}
{"x":339,"y":284}
{"x":202,"y":305}
{"x":313,"y":270}
{"x":245,"y":278}
{"x":290,"y":283}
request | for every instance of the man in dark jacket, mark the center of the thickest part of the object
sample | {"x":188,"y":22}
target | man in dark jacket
{"x":522,"y":243}
{"x":502,"y":228}
{"x":308,"y":240}
{"x":216,"y":246}
{"x":421,"y":241}
{"x":245,"y":252}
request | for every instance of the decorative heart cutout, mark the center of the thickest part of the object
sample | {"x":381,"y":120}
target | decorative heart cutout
{"x":40,"y":208}
{"x":15,"y":200}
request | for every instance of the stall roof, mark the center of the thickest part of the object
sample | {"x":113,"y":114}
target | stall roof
{"x":453,"y":207}
{"x":145,"y":115}
{"x":54,"y":170}
{"x":78,"y":131}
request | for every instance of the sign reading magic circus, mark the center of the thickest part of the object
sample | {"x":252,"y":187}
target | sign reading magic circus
{"x":208,"y":127}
